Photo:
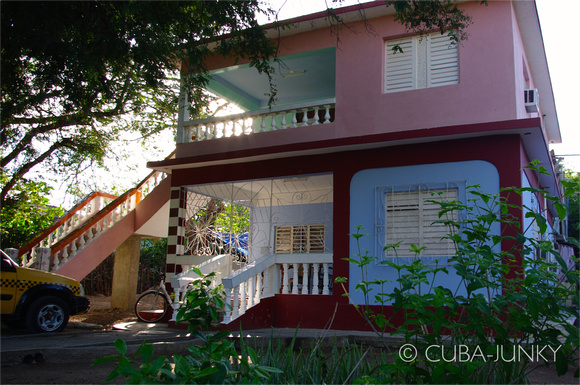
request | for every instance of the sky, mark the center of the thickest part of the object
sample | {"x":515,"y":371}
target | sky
{"x":558,"y":21}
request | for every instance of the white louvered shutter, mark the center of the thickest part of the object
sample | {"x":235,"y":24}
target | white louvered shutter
{"x":443,"y":61}
{"x":410,"y":217}
{"x":429,"y":61}
{"x":400,"y":66}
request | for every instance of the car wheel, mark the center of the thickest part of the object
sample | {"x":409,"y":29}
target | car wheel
{"x":47,"y":315}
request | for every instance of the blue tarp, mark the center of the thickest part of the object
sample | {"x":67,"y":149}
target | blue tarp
{"x":238,"y":242}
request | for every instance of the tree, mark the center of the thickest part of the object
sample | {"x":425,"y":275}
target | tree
{"x":76,"y":75}
{"x":423,"y":17}
{"x":72,"y":71}
{"x":573,"y":207}
{"x":25,"y":213}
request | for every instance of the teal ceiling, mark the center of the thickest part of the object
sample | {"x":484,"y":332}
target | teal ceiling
{"x":298,"y":78}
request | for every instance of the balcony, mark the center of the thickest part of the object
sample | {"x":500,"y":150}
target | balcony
{"x":305,"y":96}
{"x":253,"y":122}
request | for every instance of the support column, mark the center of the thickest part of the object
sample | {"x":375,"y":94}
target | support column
{"x":176,"y":231}
{"x":126,"y":274}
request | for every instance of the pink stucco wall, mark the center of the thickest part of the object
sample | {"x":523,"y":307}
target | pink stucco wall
{"x":486,"y":91}
{"x":491,"y":65}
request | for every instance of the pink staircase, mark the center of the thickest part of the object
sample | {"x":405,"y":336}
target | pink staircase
{"x":77,"y":243}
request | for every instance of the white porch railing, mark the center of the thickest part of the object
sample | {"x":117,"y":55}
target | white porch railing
{"x":278,"y":273}
{"x":221,"y":265}
{"x":251,"y":122}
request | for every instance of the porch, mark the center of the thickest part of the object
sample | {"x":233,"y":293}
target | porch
{"x":260,"y":237}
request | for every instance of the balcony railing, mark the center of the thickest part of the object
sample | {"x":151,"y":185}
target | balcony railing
{"x":253,"y":122}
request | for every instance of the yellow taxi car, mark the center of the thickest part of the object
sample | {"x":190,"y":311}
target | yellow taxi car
{"x":41,"y":301}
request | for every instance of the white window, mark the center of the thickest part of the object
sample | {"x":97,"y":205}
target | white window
{"x":300,"y":239}
{"x":428,"y":61}
{"x":407,"y":214}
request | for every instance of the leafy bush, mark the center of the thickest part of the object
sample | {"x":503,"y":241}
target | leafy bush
{"x":507,"y":301}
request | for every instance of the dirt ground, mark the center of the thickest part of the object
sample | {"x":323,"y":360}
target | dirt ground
{"x":102,"y":317}
{"x":101,"y":314}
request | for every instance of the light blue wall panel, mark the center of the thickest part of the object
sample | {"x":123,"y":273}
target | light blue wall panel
{"x":363,"y":208}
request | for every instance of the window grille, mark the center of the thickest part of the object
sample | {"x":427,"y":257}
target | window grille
{"x":407,"y":214}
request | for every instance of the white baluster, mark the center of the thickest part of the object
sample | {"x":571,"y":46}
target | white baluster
{"x":327,"y":114}
{"x":228,"y":309}
{"x":316,"y":118}
{"x":178,"y":301}
{"x":90,"y":233}
{"x":315,"y":272}
{"x":236,"y":306}
{"x":258,"y":288}
{"x":325,"y":290}
{"x":266,"y":285}
{"x":251,"y":291}
{"x":283,"y":121}
{"x":285,"y":280}
{"x":65,"y":257}
{"x":305,"y":279}
{"x":263,"y":123}
{"x":294,"y":120}
{"x":243,"y":303}
{"x":82,"y":241}
{"x":273,"y":123}
{"x":210,"y":131}
{"x":305,"y":117}
{"x":244,"y":127}
{"x":295,"y":278}
{"x":25,"y":258}
{"x":199,"y":136}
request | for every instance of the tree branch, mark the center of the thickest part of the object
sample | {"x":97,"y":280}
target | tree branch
{"x":65,"y":121}
{"x":27,"y":166}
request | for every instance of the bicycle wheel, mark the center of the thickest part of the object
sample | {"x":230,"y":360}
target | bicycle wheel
{"x":151,"y":306}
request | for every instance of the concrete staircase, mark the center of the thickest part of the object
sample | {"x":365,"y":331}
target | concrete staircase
{"x":79,"y":241}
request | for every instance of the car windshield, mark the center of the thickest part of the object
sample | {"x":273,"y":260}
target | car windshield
{"x":6,"y":256}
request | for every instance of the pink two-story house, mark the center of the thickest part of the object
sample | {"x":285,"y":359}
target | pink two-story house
{"x":359,"y":136}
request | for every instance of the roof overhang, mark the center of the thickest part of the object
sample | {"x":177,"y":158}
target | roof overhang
{"x":529,"y":24}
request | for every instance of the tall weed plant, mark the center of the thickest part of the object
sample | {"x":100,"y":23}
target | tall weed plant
{"x":513,"y":310}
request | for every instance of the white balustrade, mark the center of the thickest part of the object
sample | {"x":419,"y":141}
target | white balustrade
{"x":85,"y":211}
{"x":272,"y":274}
{"x":259,"y":121}
{"x":220,"y":264}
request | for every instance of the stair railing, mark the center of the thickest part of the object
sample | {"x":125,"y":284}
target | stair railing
{"x":103,"y":220}
{"x":67,"y":224}
{"x":65,"y":245}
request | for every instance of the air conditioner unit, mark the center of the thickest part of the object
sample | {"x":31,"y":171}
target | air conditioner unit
{"x":532,"y":100}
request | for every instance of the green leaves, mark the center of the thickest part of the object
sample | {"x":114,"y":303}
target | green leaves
{"x":77,"y":75}
{"x":515,"y":289}
{"x":26,"y":212}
